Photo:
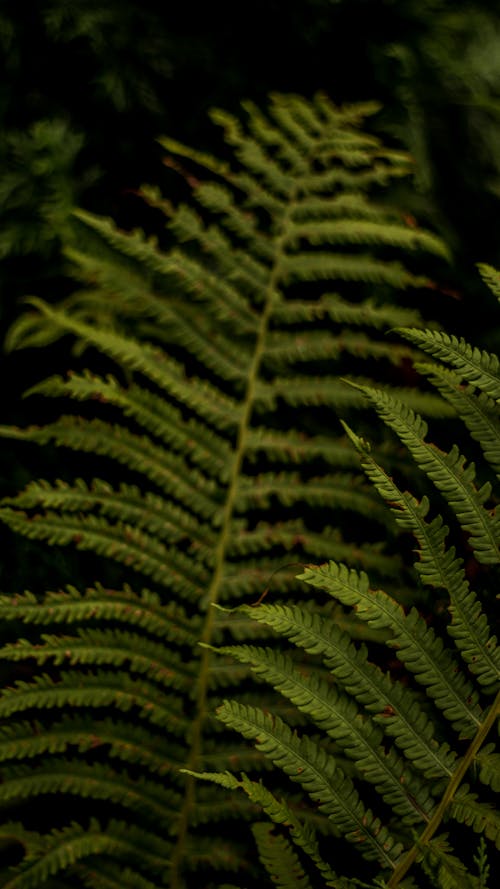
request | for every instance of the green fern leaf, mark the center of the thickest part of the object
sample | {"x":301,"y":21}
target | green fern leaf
{"x":478,"y":412}
{"x":449,"y":474}
{"x":72,"y":844}
{"x":438,"y":567}
{"x":279,"y":859}
{"x":217,"y":345}
{"x":481,"y":816}
{"x":96,"y":782}
{"x":474,"y":365}
{"x":279,"y":812}
{"x":490,"y":277}
{"x":445,"y":868}
{"x":416,"y":645}
{"x":341,"y":720}
{"x":489,"y":767}
{"x":310,"y":766}
{"x":396,"y":710}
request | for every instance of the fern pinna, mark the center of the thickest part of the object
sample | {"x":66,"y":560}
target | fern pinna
{"x":218,"y":430}
{"x":396,"y":762}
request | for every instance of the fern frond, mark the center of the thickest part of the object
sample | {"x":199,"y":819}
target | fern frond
{"x":489,"y":767}
{"x":165,"y":621}
{"x":478,"y":411}
{"x":416,"y":645}
{"x":136,"y":452}
{"x":99,"y":875}
{"x":96,"y":782}
{"x":363,"y":231}
{"x":126,"y":742}
{"x":438,"y":566}
{"x":208,"y":401}
{"x":279,"y":858}
{"x":341,"y":720}
{"x":307,"y":764}
{"x":490,"y":277}
{"x":154,"y":414}
{"x":100,"y":690}
{"x":118,"y":541}
{"x":115,"y":648}
{"x":396,"y":710}
{"x":320,"y":266}
{"x":287,"y":348}
{"x":477,"y":366}
{"x":282,"y":266}
{"x":449,"y":474}
{"x":483,"y":817}
{"x":445,"y":868}
{"x":280,"y":813}
{"x":332,"y":306}
{"x":161,"y":518}
{"x":63,"y":848}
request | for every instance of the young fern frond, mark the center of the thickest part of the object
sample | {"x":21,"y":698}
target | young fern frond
{"x":279,"y":858}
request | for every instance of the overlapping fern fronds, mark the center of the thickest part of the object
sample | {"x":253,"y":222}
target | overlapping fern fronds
{"x":211,"y":414}
{"x":392,"y":760}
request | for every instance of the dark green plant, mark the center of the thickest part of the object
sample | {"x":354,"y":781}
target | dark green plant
{"x":38,"y":187}
{"x":213,"y":400}
{"x":393,"y":762}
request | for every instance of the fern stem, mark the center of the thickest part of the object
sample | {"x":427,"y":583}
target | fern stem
{"x":403,"y":867}
{"x":220,"y":556}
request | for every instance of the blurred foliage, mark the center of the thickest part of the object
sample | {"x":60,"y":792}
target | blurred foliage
{"x":447,"y":93}
{"x":107,"y":78}
{"x":38,"y":186}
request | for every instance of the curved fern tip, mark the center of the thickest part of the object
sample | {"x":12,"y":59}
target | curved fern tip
{"x":359,"y":443}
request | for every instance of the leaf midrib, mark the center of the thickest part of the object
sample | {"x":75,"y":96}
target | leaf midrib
{"x":214,"y":589}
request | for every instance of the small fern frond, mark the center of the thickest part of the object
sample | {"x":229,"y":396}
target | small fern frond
{"x":489,"y":767}
{"x":438,"y":566}
{"x":279,"y":858}
{"x":162,"y":370}
{"x":97,"y":604}
{"x":339,"y":718}
{"x":477,"y":366}
{"x":478,"y":412}
{"x":95,"y":874}
{"x":395,"y":709}
{"x":416,"y":645}
{"x":446,"y":870}
{"x":307,"y":764}
{"x":302,"y":835}
{"x":128,"y":743}
{"x":114,"y":648}
{"x":448,"y":472}
{"x":483,"y":817}
{"x":153,"y":413}
{"x":101,"y":690}
{"x":491,"y":277}
{"x":64,"y":848}
{"x":95,"y":782}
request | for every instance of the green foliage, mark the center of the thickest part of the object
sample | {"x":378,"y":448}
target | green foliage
{"x":210,"y":413}
{"x":389,"y":759}
{"x":37,"y":186}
